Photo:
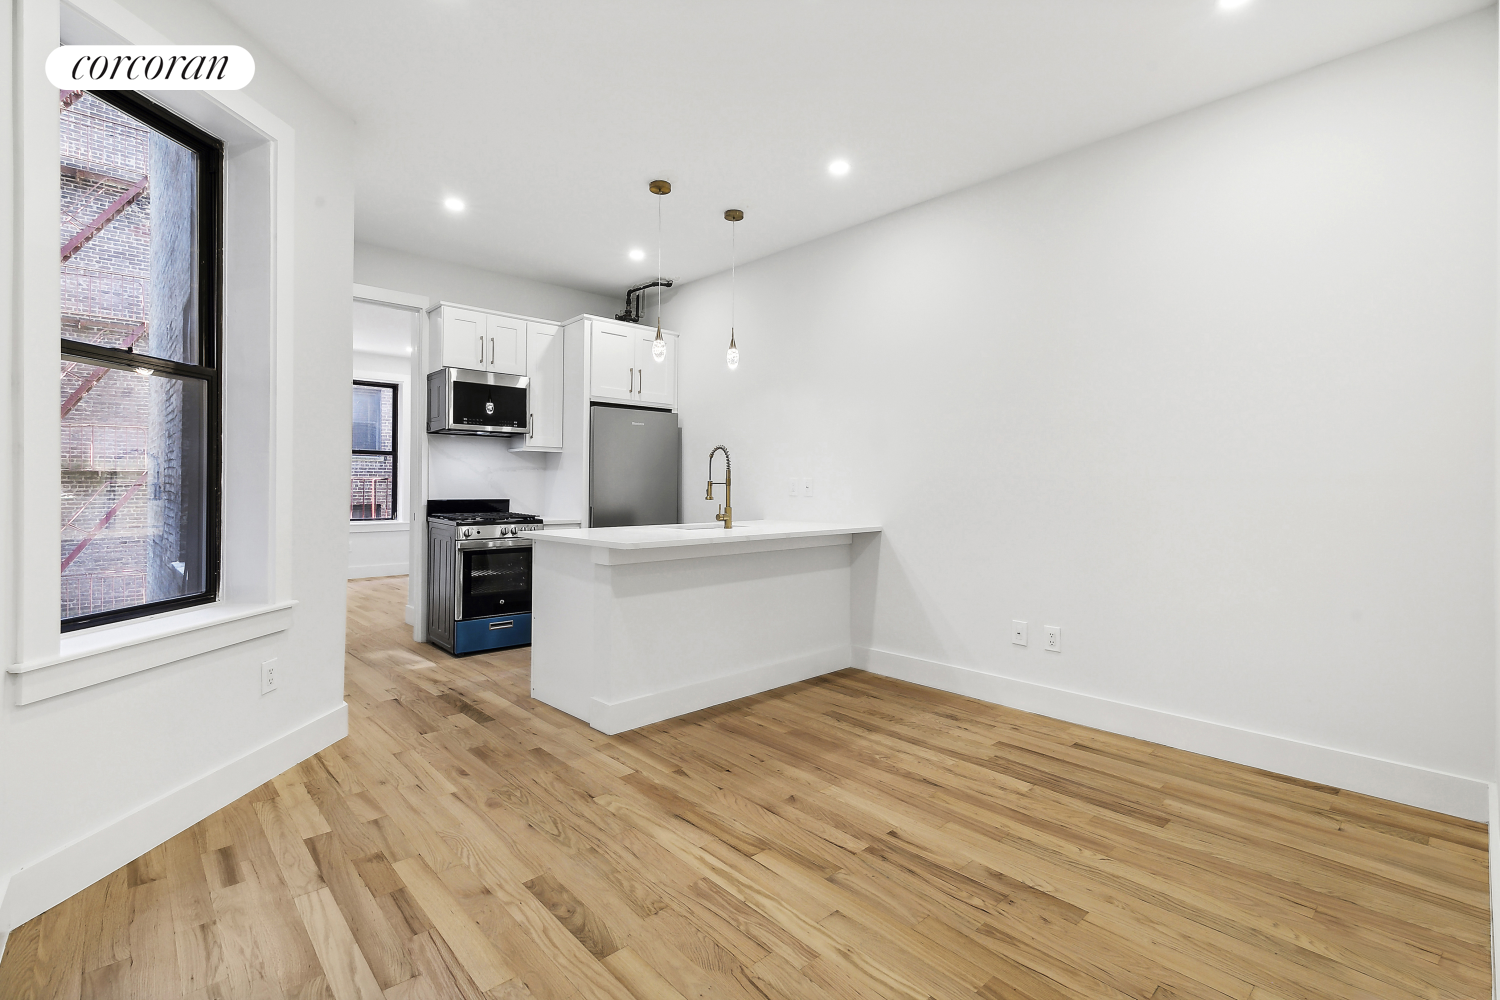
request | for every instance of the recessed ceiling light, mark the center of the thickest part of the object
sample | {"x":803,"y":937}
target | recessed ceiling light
{"x":637,"y":254}
{"x":838,"y":168}
{"x":1233,"y":4}
{"x":453,"y":204}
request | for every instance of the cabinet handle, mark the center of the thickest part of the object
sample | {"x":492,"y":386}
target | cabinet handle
{"x":632,"y":381}
{"x":481,"y":348}
{"x":530,"y":417}
{"x":495,"y":625}
{"x":492,"y":351}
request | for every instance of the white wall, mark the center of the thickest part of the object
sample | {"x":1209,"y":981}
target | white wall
{"x":469,"y":467}
{"x":92,"y":778}
{"x":1215,"y":396}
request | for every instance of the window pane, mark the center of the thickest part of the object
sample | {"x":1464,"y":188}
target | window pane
{"x":134,"y":474}
{"x":374,"y":412}
{"x":371,"y":488}
{"x":128,"y":234}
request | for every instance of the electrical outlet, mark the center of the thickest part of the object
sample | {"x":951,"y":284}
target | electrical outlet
{"x":794,"y":489}
{"x":1054,"y":638}
{"x":1018,"y":633}
{"x":268,"y":676}
{"x":807,"y":487}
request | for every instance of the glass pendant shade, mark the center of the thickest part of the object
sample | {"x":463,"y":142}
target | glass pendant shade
{"x":658,"y":346}
{"x":733,"y":357}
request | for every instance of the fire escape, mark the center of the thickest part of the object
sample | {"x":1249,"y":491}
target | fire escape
{"x":91,"y":221}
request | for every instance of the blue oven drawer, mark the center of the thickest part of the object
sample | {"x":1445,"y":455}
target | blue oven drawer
{"x":500,"y":632}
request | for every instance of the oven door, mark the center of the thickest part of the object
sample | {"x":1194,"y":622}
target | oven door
{"x":486,"y":403}
{"x":493,"y":578}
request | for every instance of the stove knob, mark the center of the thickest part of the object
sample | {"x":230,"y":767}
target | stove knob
{"x":468,"y":532}
{"x":510,"y":531}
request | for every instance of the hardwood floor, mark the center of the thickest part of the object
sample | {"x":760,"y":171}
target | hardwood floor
{"x":848,"y":837}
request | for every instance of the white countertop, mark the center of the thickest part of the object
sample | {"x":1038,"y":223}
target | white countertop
{"x":661,"y":536}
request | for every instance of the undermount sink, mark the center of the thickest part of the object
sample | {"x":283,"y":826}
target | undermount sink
{"x":697,"y":527}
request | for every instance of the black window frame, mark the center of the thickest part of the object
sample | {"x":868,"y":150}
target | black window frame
{"x":210,"y":155}
{"x":394,"y":453}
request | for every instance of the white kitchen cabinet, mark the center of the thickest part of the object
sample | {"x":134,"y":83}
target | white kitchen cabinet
{"x":656,"y":385}
{"x":464,"y":337}
{"x":544,"y":368}
{"x":507,"y":336}
{"x":458,"y":337}
{"x":612,"y":367}
{"x":622,"y":370}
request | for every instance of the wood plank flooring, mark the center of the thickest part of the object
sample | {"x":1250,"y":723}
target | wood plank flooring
{"x":848,"y":837}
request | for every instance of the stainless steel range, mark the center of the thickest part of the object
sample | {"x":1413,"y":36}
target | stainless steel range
{"x":478,"y":575}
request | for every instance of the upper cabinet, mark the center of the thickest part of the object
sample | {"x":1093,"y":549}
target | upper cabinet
{"x":544,"y":367}
{"x":507,"y":344}
{"x":612,"y":361}
{"x":656,"y":385}
{"x":463,"y":337}
{"x":622,"y":368}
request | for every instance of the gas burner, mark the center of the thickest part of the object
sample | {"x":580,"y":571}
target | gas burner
{"x":481,"y":518}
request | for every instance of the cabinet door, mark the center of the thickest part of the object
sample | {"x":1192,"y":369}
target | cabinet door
{"x":506,"y":347}
{"x":657,"y":382}
{"x":544,"y":365}
{"x":464,"y":341}
{"x":612,"y":368}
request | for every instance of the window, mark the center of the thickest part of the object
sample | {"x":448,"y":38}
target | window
{"x":139,"y":390}
{"x":372,"y":476}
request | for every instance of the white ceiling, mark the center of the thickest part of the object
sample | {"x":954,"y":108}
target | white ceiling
{"x":549,"y":118}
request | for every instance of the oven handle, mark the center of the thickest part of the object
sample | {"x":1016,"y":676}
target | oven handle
{"x":513,"y":542}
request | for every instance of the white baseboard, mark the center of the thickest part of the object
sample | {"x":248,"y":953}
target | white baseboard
{"x":643,"y":710}
{"x":1406,"y":783}
{"x":48,"y":881}
{"x":378,"y":569}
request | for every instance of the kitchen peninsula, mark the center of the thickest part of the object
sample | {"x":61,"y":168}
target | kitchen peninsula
{"x":635,"y":625}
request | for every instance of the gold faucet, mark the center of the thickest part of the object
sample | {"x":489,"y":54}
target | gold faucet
{"x":726,"y":510}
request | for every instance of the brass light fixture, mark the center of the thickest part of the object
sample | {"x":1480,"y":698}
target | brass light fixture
{"x":732,"y":216}
{"x":659,"y":345}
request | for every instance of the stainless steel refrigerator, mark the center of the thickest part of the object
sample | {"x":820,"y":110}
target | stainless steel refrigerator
{"x":635,"y":468}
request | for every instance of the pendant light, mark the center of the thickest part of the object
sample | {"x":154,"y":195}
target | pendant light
{"x":733,"y":357}
{"x":659,"y":345}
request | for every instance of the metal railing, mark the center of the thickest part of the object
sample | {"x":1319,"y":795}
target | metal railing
{"x":370,"y":499}
{"x":103,"y":447}
{"x":94,"y":293}
{"x":87,"y":593}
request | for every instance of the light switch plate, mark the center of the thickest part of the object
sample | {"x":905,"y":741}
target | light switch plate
{"x":807,"y":487}
{"x":268,"y":678}
{"x":1054,"y":638}
{"x":1018,"y":633}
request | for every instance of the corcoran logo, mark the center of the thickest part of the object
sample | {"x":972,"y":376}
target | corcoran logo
{"x":150,"y":67}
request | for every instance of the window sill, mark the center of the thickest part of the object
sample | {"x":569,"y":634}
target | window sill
{"x":362,"y":526}
{"x":94,"y":656}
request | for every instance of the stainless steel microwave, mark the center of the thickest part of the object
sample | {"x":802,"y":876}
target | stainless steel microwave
{"x":464,"y":401}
